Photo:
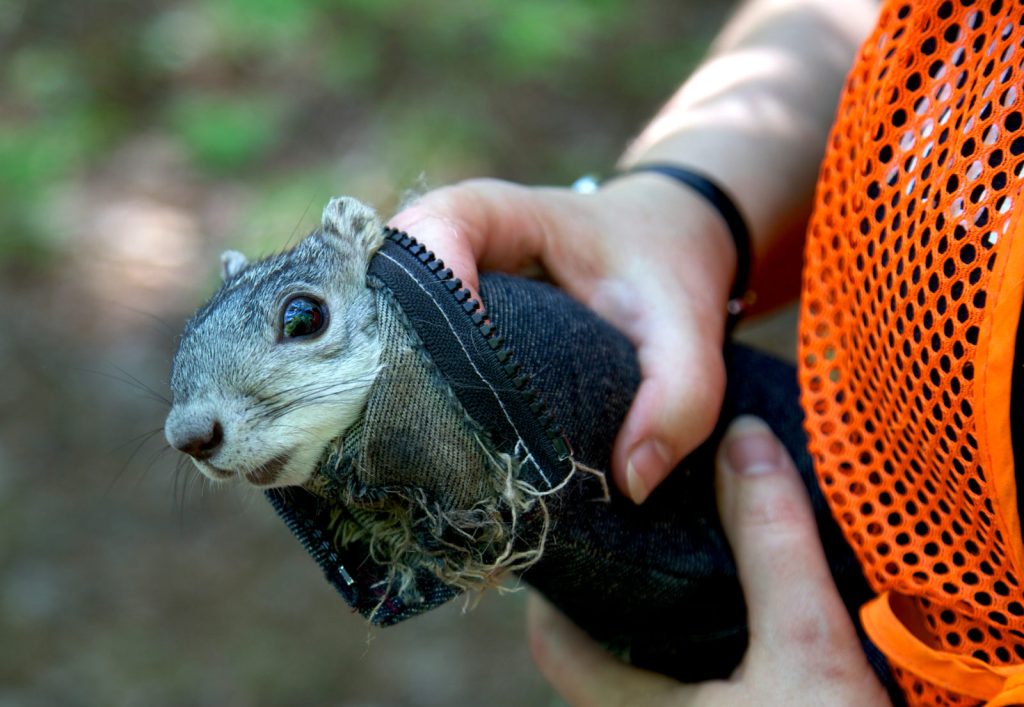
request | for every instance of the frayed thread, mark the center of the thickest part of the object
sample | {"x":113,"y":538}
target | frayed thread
{"x":469,"y":549}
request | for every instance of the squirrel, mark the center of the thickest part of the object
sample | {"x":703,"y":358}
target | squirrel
{"x":281,"y":359}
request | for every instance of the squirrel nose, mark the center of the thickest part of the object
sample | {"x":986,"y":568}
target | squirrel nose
{"x":199,"y":442}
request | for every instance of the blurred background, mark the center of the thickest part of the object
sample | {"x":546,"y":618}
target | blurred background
{"x":138,"y":139}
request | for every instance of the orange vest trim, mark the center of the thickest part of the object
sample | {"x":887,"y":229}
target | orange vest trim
{"x":960,"y":674}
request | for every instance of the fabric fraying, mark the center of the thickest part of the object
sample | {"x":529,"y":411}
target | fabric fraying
{"x":472,"y":549}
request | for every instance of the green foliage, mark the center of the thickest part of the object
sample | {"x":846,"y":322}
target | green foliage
{"x":44,"y":76}
{"x":534,"y":36}
{"x":60,"y":126}
{"x":432,"y":137}
{"x":34,"y":157}
{"x":351,"y":63}
{"x":267,"y":24}
{"x":226,"y":133}
{"x":288,"y":209}
{"x":268,"y":92}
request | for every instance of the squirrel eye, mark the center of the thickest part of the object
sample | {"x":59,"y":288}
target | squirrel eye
{"x":302,"y":316}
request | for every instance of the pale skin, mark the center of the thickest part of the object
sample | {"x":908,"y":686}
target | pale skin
{"x":657,"y":261}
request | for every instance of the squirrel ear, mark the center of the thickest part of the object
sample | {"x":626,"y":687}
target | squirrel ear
{"x":353,"y":220}
{"x":231,"y":263}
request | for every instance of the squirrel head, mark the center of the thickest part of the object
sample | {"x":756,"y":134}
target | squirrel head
{"x":280,"y":360}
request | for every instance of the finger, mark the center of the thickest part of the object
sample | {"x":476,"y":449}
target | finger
{"x":677,"y":403}
{"x":484,"y":222}
{"x":444,"y":237}
{"x":586,"y":675}
{"x":673,"y":311}
{"x":791,"y":597}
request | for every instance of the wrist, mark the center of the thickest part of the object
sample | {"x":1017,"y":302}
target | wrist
{"x":740,"y":295}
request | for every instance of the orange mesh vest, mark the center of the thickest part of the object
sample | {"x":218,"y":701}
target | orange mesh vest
{"x":913,"y":286}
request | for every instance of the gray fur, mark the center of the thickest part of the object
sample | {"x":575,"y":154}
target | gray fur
{"x":231,"y":263}
{"x":277,"y":399}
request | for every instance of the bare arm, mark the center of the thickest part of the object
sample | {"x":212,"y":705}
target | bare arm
{"x":755,"y":117}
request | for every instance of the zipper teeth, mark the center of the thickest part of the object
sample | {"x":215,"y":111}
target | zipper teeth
{"x":312,"y":539}
{"x":471,"y":307}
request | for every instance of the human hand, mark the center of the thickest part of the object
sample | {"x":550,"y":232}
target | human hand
{"x":652,"y":258}
{"x":803,"y":648}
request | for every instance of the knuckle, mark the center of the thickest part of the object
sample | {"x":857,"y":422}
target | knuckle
{"x":823,"y":649}
{"x":451,"y":199}
{"x":812,"y":633}
{"x":702,"y":390}
{"x":689,"y":405}
{"x":479,"y":183}
{"x":706,"y":385}
{"x":443,"y":200}
{"x":779,"y":518}
{"x":477,"y":190}
{"x":831,"y":663}
{"x":469,"y":201}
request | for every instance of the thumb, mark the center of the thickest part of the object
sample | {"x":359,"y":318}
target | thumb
{"x":482,"y":222}
{"x":799,"y":627}
{"x":768,"y":519}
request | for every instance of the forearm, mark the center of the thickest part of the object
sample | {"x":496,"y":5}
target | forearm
{"x":755,"y":117}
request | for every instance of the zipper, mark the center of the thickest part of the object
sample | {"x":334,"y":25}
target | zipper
{"x":507,"y":406}
{"x":318,"y":547}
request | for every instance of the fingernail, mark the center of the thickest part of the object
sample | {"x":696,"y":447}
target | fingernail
{"x":648,"y":461}
{"x":751,"y":447}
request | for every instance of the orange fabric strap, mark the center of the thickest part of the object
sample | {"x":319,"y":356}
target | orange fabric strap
{"x":997,"y":685}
